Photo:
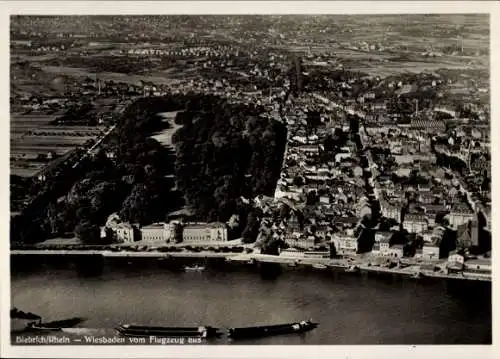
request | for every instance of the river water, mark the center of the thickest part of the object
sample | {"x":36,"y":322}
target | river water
{"x":351,"y":309}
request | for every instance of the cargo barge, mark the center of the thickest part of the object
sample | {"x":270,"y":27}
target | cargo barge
{"x":271,"y":330}
{"x":141,"y":331}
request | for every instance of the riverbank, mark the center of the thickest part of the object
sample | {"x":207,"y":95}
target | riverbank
{"x":410,"y":271}
{"x":123,"y":254}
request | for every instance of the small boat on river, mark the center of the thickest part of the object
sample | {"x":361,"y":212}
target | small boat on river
{"x":319,"y":266}
{"x":196,"y":268}
{"x":271,"y":330}
{"x":352,"y":269}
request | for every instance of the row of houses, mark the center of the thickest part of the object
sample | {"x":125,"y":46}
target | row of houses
{"x":329,"y":191}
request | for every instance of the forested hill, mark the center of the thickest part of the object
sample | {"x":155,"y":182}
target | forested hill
{"x":225,"y":151}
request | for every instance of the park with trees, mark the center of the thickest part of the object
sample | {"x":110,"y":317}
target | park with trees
{"x":221,"y":153}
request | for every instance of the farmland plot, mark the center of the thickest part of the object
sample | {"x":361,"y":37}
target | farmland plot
{"x":25,"y":169}
{"x":32,"y":137}
{"x":31,"y":151}
{"x":110,"y":76}
{"x":57,"y":141}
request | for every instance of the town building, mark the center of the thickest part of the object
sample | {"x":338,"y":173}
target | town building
{"x":396,"y":251}
{"x":455,"y":261}
{"x":415,"y":223}
{"x":299,"y":241}
{"x":363,"y":207}
{"x":467,"y":234}
{"x":389,"y":210}
{"x":292,"y":252}
{"x":345,"y":242}
{"x":383,"y":236}
{"x":381,"y":245}
{"x":430,"y":251}
{"x":204,"y":232}
{"x":459,"y":214}
{"x":427,"y":235}
{"x":124,"y":232}
{"x":309,"y":149}
{"x":432,"y":211}
{"x":157,"y":232}
{"x":429,"y":126}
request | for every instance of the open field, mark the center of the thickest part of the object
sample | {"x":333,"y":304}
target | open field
{"x":338,"y":34}
{"x":406,"y":35}
{"x":31,"y":151}
{"x":50,"y":131}
{"x":32,"y":136}
{"x":165,"y":136}
{"x":49,"y":141}
{"x":42,"y":125}
{"x":108,"y":76}
{"x":25,"y":168}
{"x":389,"y":69}
{"x":18,"y":119}
{"x":387,"y":64}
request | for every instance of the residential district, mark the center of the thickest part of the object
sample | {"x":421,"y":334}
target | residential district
{"x":334,"y":176}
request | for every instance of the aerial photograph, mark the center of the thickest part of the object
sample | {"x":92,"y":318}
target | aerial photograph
{"x":250,"y":179}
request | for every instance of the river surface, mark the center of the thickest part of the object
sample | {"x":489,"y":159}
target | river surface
{"x":351,"y":309}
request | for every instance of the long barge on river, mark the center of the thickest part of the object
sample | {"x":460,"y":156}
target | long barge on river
{"x":271,"y":330}
{"x":143,"y":331}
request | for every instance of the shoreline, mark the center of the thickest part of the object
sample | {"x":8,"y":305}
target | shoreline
{"x":111,"y":254}
{"x":319,"y":264}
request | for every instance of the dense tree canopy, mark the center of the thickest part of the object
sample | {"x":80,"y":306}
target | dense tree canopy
{"x":222,"y":152}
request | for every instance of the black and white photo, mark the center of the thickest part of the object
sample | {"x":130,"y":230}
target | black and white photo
{"x":257,"y":180}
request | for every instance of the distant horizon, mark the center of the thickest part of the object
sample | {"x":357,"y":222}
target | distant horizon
{"x":365,"y":128}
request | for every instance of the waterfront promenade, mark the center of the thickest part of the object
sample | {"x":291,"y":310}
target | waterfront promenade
{"x":317,"y":263}
{"x":105,"y":253}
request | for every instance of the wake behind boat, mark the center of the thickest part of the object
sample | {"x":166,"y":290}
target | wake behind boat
{"x":272,"y":330}
{"x":56,"y":325}
{"x":42,"y":327}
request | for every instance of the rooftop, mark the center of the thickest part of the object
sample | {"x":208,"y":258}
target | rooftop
{"x":204,"y":225}
{"x":153,"y":226}
{"x":430,"y":245}
{"x":415,"y":217}
{"x":461,"y":207}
